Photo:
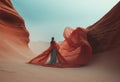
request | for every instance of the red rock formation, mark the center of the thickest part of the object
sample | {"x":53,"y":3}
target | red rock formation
{"x":105,"y":34}
{"x":14,"y":37}
{"x":11,"y":23}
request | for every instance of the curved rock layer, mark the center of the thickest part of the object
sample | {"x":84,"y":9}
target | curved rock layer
{"x":105,"y":34}
{"x":13,"y":34}
{"x":11,"y":23}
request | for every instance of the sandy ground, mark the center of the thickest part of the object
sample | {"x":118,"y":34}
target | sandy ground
{"x":104,"y":67}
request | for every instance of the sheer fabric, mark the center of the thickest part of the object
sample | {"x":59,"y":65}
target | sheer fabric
{"x":74,"y":51}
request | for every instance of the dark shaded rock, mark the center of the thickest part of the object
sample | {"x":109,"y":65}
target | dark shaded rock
{"x":105,"y":34}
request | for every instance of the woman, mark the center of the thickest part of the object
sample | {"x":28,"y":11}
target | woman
{"x":53,"y":58}
{"x":74,"y":51}
{"x":51,"y":53}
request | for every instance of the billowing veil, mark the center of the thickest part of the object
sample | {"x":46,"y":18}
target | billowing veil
{"x":74,"y":51}
{"x":75,"y":48}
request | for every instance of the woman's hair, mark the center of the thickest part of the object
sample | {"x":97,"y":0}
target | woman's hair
{"x":52,"y":38}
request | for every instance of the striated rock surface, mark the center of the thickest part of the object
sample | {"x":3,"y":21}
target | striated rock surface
{"x":14,"y":37}
{"x":11,"y":23}
{"x":105,"y":34}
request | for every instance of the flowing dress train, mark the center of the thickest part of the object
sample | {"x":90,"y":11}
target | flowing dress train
{"x":74,"y":51}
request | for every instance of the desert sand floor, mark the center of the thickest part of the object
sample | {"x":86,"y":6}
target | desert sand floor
{"x":104,"y":67}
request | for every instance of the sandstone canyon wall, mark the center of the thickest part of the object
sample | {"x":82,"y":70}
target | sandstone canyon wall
{"x":14,"y":36}
{"x":105,"y":34}
{"x":11,"y":23}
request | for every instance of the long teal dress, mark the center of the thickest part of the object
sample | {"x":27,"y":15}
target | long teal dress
{"x":53,"y":58}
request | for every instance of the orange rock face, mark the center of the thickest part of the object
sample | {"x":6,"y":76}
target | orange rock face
{"x":14,"y":37}
{"x":105,"y":34}
{"x":12,"y":25}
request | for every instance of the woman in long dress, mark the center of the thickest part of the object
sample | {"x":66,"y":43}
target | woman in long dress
{"x":53,"y":58}
{"x":74,"y":51}
{"x":50,"y":57}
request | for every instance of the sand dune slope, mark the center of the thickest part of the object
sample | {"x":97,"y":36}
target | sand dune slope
{"x":103,"y":68}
